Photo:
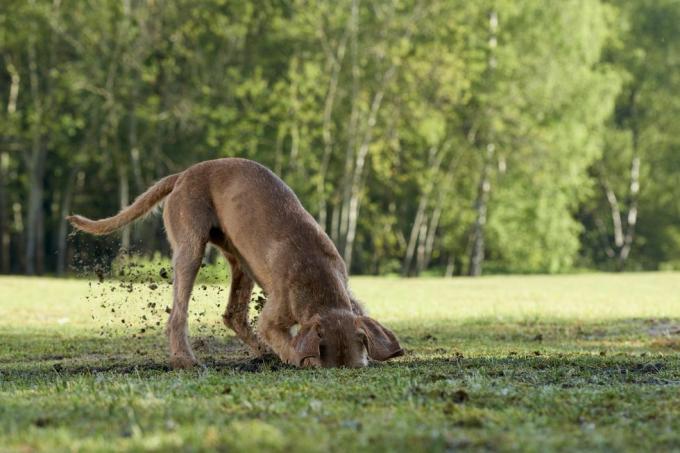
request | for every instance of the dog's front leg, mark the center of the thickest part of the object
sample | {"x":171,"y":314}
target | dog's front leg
{"x":236,"y":315}
{"x":274,"y":329}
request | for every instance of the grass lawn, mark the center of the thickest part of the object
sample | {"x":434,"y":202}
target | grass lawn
{"x":584,"y":362}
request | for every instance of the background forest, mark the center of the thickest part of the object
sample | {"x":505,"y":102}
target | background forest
{"x":426,"y":136}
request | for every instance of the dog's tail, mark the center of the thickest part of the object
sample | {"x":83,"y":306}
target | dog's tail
{"x":143,"y":204}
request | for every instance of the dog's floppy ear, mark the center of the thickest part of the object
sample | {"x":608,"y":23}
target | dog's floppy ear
{"x":306,"y":342}
{"x":381,"y":343}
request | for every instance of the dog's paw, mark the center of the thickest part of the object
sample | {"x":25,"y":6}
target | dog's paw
{"x":311,"y":362}
{"x":183,"y":362}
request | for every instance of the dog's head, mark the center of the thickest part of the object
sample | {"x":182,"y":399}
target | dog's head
{"x":343,"y":339}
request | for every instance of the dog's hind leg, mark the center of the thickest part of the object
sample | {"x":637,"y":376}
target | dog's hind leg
{"x":236,"y":315}
{"x":187,"y":261}
{"x":188,"y":228}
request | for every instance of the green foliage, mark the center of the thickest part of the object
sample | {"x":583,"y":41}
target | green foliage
{"x":378,"y":114}
{"x":646,"y":52}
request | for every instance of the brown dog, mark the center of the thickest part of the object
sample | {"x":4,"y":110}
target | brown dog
{"x":268,"y":238}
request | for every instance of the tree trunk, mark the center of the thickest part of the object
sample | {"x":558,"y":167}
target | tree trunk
{"x":443,"y":195}
{"x":477,"y":254}
{"x":358,"y":176}
{"x":124,"y":187}
{"x":5,"y":236}
{"x":19,"y":237}
{"x":278,"y":150}
{"x":36,"y":168}
{"x":617,"y":223}
{"x":341,"y":234}
{"x":140,"y":184}
{"x":40,"y":241}
{"x":634,"y":188}
{"x":34,"y":223}
{"x":135,"y":162}
{"x":632,"y":211}
{"x":413,"y":237}
{"x":624,"y":233}
{"x":481,"y":205}
{"x":66,"y":202}
{"x":429,"y":240}
{"x":439,"y":208}
{"x":352,"y":205}
{"x":4,"y":227}
{"x":422,"y":237}
{"x":434,"y":161}
{"x":352,"y":221}
{"x":335,"y":223}
{"x":450,"y":267}
{"x":335,"y":62}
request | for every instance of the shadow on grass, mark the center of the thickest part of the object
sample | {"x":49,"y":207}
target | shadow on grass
{"x":559,"y":353}
{"x":121,"y":355}
{"x":563,"y":371}
{"x":627,"y":335}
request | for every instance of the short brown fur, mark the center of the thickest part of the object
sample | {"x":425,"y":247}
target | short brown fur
{"x":269,"y":238}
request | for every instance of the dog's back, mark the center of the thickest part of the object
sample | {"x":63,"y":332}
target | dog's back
{"x":261,"y":218}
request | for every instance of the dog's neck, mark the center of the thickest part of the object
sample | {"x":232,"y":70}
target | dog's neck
{"x":324,"y":294}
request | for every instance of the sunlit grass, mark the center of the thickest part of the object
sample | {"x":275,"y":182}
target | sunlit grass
{"x":507,"y":363}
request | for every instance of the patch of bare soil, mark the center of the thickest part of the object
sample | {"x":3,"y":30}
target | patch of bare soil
{"x":663,"y":328}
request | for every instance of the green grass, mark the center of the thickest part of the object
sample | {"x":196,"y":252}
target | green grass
{"x":586,"y":362}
